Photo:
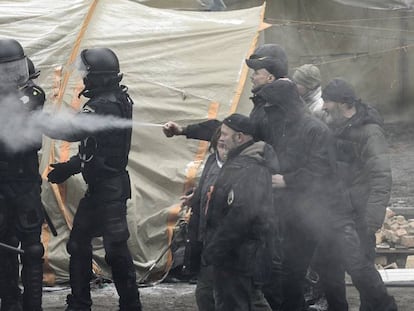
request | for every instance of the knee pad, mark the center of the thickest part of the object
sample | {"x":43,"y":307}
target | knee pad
{"x":74,"y":247}
{"x":116,"y":252}
{"x":32,"y":251}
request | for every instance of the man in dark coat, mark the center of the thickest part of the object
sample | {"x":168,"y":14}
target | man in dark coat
{"x":269,"y":63}
{"x":238,"y":215}
{"x":314,"y":206}
{"x":362,"y":154}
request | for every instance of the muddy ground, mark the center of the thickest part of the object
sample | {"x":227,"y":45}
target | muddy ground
{"x":180,"y":296}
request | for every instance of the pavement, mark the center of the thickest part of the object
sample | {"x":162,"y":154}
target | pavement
{"x":180,"y":297}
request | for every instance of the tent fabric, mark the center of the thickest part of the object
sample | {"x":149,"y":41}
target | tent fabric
{"x":178,"y":65}
{"x":380,"y":4}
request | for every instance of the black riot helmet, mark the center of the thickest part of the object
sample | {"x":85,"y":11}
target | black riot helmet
{"x":101,"y":61}
{"x":99,"y":67}
{"x":13,"y":64}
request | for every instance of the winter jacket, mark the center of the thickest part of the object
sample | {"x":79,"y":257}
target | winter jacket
{"x":197,"y":223}
{"x":365,"y":165}
{"x":239,"y":212}
{"x":305,"y":148}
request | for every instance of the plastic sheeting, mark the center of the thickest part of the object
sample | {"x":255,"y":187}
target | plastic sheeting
{"x":182,"y":66}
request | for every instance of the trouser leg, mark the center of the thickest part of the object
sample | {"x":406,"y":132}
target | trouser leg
{"x":80,"y":272}
{"x":124,"y":276}
{"x":368,"y":244}
{"x":10,"y":293}
{"x":29,"y":220}
{"x":32,"y":273}
{"x":272,"y":288}
{"x":232,"y":291}
{"x":298,"y":247}
{"x":327,"y":264}
{"x":204,"y":290}
{"x":363,"y":273}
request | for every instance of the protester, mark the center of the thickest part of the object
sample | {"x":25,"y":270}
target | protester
{"x":198,"y":201}
{"x":364,"y":163}
{"x":269,"y":63}
{"x":102,"y":160}
{"x":238,"y":215}
{"x":312,"y":193}
{"x":308,"y":80}
{"x":21,"y":213}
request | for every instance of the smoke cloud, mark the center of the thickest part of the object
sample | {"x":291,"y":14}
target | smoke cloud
{"x":21,"y":129}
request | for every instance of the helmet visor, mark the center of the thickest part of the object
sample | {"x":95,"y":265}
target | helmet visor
{"x":14,"y":73}
{"x":80,"y":66}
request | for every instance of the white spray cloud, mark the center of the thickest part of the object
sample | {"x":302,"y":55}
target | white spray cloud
{"x":21,"y":129}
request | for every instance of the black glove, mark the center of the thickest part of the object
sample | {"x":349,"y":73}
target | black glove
{"x":62,"y":171}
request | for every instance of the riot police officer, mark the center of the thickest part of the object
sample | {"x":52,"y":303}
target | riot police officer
{"x":21,"y":214}
{"x":102,"y":160}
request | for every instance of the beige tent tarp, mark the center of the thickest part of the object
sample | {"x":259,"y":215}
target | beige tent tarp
{"x":183,"y":66}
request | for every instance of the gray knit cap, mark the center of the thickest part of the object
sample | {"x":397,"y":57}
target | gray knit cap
{"x":307,"y":75}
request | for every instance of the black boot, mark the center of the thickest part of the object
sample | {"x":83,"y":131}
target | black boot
{"x":80,"y":269}
{"x":32,"y":279}
{"x":72,"y":305}
{"x":123,"y":273}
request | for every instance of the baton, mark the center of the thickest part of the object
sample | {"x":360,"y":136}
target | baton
{"x":11,"y":248}
{"x":49,"y":222}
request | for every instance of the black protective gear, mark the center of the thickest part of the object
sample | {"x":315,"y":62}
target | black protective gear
{"x":103,"y":157}
{"x":10,"y":50}
{"x":33,"y":73}
{"x":32,"y":274}
{"x":12,"y":306}
{"x":80,"y":269}
{"x":123,"y":274}
{"x":10,"y":293}
{"x":23,"y":205}
{"x":33,"y":97}
{"x":13,"y":64}
{"x":62,"y":171}
{"x":100,"y":61}
{"x":102,"y":70}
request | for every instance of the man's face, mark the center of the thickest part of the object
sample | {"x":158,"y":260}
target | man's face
{"x":301,"y":89}
{"x":222,"y":151}
{"x":228,"y":138}
{"x":333,"y":111}
{"x":261,"y":77}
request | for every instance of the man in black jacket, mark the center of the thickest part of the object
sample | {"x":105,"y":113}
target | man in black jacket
{"x":364,"y":164}
{"x":102,"y":160}
{"x":269,"y":62}
{"x":315,"y":208}
{"x":238,"y":215}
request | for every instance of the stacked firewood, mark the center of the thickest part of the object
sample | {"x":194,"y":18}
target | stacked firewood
{"x":397,"y":231}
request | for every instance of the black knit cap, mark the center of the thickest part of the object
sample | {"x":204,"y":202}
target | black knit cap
{"x":340,"y":91}
{"x":239,"y":123}
{"x":271,"y":57}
